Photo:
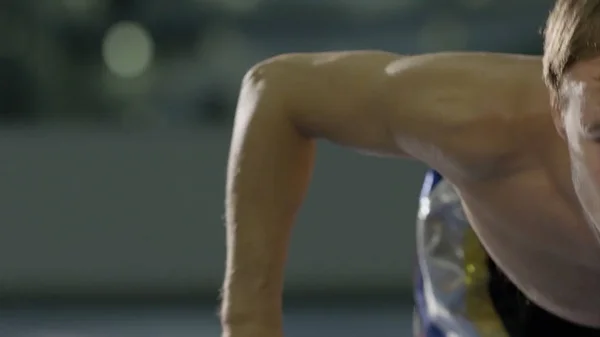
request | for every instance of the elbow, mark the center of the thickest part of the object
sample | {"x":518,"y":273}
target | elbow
{"x":259,"y":86}
{"x":285,"y":81}
{"x":271,"y":69}
{"x":255,"y":75}
{"x":269,"y":89}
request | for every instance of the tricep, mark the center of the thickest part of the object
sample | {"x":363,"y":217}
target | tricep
{"x":431,"y":107}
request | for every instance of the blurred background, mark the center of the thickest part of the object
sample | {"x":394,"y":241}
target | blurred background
{"x":115,"y":119}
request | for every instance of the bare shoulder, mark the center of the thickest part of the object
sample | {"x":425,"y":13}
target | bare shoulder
{"x":492,"y":82}
{"x":461,"y":60}
{"x":473,"y":110}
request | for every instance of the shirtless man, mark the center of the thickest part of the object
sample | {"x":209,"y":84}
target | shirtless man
{"x":518,"y":138}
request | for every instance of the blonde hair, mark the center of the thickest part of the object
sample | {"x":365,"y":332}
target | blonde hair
{"x":572,"y":34}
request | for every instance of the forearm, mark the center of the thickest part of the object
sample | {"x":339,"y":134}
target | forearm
{"x":269,"y":167}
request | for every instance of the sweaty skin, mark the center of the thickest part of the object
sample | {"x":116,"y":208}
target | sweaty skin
{"x":483,"y":120}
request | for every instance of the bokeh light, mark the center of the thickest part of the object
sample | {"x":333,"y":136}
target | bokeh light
{"x":128,"y":49}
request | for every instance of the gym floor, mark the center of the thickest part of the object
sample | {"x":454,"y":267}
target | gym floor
{"x":358,"y":319}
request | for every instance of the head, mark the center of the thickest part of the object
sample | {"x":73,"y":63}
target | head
{"x":572,"y":74}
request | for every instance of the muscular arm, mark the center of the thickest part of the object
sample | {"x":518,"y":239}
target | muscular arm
{"x":381,"y":103}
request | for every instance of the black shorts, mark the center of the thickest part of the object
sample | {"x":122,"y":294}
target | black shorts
{"x":522,"y":318}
